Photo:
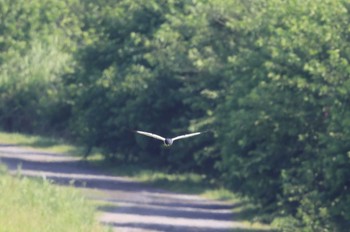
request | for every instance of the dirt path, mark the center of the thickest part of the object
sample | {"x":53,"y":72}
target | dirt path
{"x":131,"y":206}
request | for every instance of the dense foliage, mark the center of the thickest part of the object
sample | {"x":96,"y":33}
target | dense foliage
{"x":269,"y":78}
{"x":36,"y":42}
{"x":287,"y":111}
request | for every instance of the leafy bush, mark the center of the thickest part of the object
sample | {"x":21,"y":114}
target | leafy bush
{"x":30,"y":88}
{"x":37,"y":39}
{"x":285,"y":109}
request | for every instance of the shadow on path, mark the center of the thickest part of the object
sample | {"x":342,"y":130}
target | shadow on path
{"x":129,"y":205}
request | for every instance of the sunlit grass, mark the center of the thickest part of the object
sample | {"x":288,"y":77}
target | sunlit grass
{"x":38,"y":206}
{"x":186,"y":182}
{"x":16,"y":138}
{"x":43,"y":143}
{"x":221,"y":194}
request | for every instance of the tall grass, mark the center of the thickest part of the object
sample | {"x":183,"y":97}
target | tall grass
{"x":38,"y":206}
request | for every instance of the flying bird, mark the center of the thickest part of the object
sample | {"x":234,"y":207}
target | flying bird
{"x":168,"y":141}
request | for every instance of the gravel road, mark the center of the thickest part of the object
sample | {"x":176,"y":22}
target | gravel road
{"x":130,"y":206}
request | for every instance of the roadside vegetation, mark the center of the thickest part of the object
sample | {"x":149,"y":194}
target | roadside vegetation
{"x":270,"y":79}
{"x":36,"y":205}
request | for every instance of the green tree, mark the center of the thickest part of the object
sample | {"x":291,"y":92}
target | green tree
{"x":140,"y":74}
{"x":36,"y":41}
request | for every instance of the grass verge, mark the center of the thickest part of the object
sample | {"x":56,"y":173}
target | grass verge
{"x":38,"y":206}
{"x":43,"y":143}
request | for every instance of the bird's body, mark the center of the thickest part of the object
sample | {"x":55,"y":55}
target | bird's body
{"x":168,"y":141}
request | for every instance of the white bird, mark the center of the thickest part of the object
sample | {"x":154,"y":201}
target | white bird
{"x":168,"y":141}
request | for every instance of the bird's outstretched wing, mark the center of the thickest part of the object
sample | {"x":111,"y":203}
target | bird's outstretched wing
{"x":150,"y":135}
{"x":187,"y":135}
